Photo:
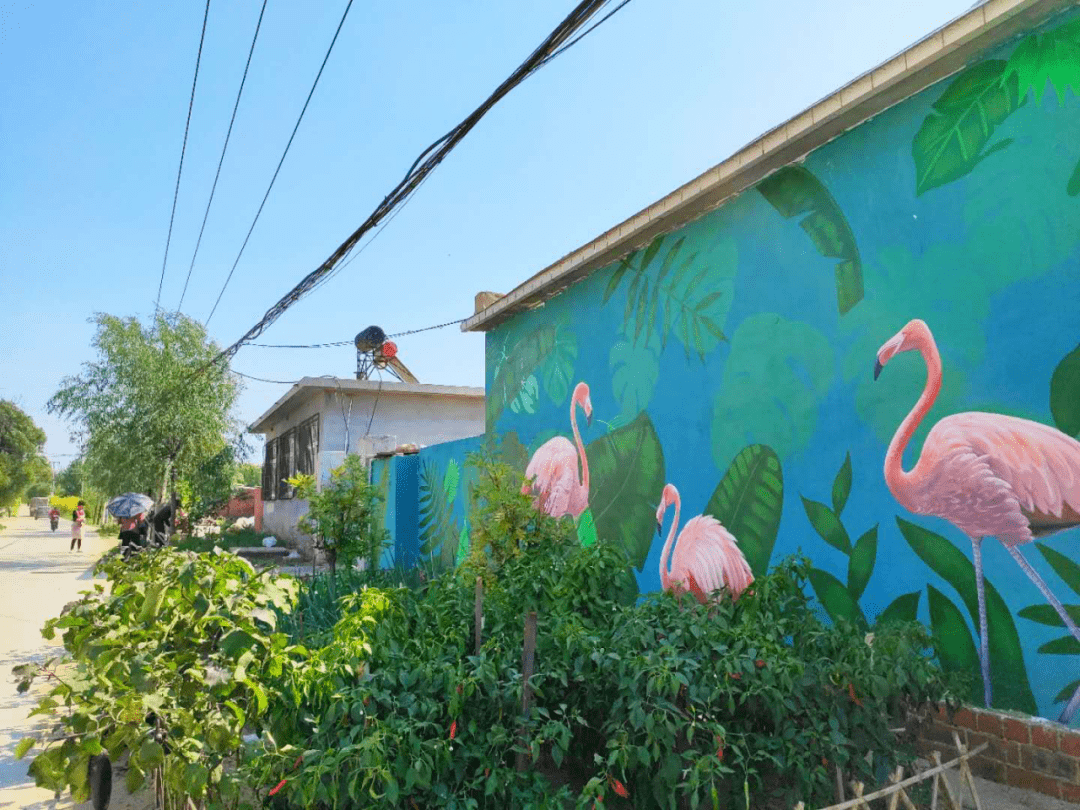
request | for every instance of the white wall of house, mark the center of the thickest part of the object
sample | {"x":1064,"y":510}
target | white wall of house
{"x":403,"y":414}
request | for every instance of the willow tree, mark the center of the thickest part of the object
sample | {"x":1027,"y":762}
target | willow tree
{"x":20,"y":446}
{"x":151,"y":409}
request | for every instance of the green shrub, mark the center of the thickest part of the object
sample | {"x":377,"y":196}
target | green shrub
{"x":170,"y":667}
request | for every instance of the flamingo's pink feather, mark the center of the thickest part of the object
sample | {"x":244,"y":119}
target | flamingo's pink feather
{"x":553,"y":477}
{"x":708,"y":552}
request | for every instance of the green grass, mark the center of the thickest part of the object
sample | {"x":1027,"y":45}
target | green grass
{"x":226,"y":540}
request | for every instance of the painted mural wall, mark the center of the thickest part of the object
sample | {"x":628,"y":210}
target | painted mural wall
{"x":742,"y":360}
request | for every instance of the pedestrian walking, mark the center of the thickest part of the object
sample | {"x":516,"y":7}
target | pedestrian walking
{"x":78,"y":518}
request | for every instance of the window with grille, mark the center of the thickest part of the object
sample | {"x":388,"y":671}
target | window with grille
{"x":307,"y":445}
{"x":286,"y":464}
{"x":269,"y":475}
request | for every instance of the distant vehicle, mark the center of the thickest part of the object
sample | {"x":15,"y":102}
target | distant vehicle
{"x":39,"y":507}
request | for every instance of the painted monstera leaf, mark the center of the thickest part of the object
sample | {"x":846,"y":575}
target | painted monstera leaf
{"x":674,"y":288}
{"x":1008,"y":676}
{"x":526,"y":399}
{"x":1052,"y":57}
{"x":626,"y":469}
{"x":634,"y":372}
{"x":1065,"y":393}
{"x":1074,"y":182}
{"x":748,"y":501}
{"x":795,"y":191}
{"x":508,"y":449}
{"x":776,"y":375}
{"x":954,"y":137}
{"x":557,"y":368}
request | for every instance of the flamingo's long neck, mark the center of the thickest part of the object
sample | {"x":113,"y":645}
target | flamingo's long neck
{"x":665,"y":554}
{"x":900,"y":483}
{"x":580,"y":446}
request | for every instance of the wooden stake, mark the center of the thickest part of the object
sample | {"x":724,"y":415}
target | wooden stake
{"x":839,"y":785}
{"x":478,"y":618}
{"x":965,"y":771}
{"x":528,"y":663}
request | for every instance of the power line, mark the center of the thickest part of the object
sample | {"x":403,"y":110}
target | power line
{"x":221,"y":160}
{"x":349,"y":342}
{"x":426,"y":163}
{"x":183,"y":149}
{"x":280,"y":162}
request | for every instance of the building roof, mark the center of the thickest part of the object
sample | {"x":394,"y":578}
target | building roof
{"x":929,"y":60}
{"x":351,"y":386}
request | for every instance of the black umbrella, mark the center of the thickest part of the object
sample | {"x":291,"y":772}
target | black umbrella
{"x":129,"y":504}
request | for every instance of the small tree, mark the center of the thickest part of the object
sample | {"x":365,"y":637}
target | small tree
{"x":342,"y":515}
{"x":20,"y":464}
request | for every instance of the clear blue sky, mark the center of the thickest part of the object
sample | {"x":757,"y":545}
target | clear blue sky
{"x":95,"y":95}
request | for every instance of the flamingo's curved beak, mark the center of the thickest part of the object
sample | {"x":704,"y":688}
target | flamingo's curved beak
{"x":659,"y":528}
{"x":588,"y":419}
{"x":877,"y":368}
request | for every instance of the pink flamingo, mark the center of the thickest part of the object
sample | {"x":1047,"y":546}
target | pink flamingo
{"x":706,"y":557}
{"x":987,"y":474}
{"x":553,"y":470}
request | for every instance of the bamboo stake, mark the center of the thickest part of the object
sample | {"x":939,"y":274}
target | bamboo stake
{"x":478,"y":618}
{"x":965,"y":771}
{"x":953,"y":803}
{"x":839,"y":784}
{"x":528,"y":662}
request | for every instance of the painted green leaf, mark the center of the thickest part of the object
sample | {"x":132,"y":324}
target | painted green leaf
{"x":557,"y":370}
{"x":1063,"y":567}
{"x":519,"y":363}
{"x":626,"y":469}
{"x":794,"y":190}
{"x":1065,"y":393}
{"x":451,"y":480}
{"x":748,"y":501}
{"x":527,"y":397}
{"x":826,"y":524}
{"x":776,"y":375}
{"x":508,"y":449}
{"x":463,"y":543}
{"x":1051,"y":57}
{"x":841,"y":487}
{"x":953,"y":139}
{"x":952,"y":639}
{"x":685,"y":292}
{"x":1074,"y":182}
{"x":1067,"y":692}
{"x":861,"y":564}
{"x":834,"y":597}
{"x":1045,"y":614}
{"x":903,"y":608}
{"x":1008,"y":676}
{"x":634,"y":372}
{"x":1066,"y":645}
{"x":586,"y":529}
{"x":437,"y":531}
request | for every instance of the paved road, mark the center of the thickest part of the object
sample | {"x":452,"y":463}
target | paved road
{"x":38,"y":576}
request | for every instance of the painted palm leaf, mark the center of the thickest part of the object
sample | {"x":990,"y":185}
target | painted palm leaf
{"x":1052,"y":57}
{"x":794,"y":190}
{"x":749,"y":500}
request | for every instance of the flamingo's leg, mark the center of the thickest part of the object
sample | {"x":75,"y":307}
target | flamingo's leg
{"x":1033,"y":575}
{"x":984,"y":640}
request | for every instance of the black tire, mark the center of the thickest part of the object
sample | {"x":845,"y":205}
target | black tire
{"x":100,"y":781}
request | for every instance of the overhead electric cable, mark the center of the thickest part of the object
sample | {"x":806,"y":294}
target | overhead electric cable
{"x":425,"y":164}
{"x":280,"y":162}
{"x":221,"y":160}
{"x":183,"y":149}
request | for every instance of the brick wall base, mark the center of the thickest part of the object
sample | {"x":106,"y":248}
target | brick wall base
{"x":1024,"y":752}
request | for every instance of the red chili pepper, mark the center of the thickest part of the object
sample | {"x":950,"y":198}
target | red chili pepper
{"x":824,"y":762}
{"x":735,"y":676}
{"x":487,"y":771}
{"x":278,"y":787}
{"x":367,"y":700}
{"x":760,"y":663}
{"x":719,"y":747}
{"x":459,"y":690}
{"x":453,"y":729}
{"x":620,"y":789}
{"x":296,"y":764}
{"x":851,"y":694}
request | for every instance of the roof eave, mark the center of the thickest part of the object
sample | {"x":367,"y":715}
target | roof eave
{"x":929,"y":60}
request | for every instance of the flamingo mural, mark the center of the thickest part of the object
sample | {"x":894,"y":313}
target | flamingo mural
{"x":552,"y":473}
{"x":706,"y":556}
{"x":989,"y":475}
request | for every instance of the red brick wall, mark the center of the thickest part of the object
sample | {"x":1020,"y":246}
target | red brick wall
{"x":243,"y":504}
{"x":1023,"y":752}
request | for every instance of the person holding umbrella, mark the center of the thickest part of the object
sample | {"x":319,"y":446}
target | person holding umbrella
{"x":130,"y":509}
{"x":78,"y":518}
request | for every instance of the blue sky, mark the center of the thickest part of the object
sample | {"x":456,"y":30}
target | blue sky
{"x":95,"y":98}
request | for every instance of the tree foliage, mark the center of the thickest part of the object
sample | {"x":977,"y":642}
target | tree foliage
{"x":247,"y":475}
{"x":71,"y":479}
{"x":20,"y":442}
{"x":150,"y":405}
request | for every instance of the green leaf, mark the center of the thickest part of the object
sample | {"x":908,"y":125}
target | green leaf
{"x":1045,"y":614}
{"x":463,"y":542}
{"x":826,"y":524}
{"x":634,"y":372}
{"x":861,"y":564}
{"x":586,"y":529}
{"x":953,"y":139}
{"x":748,"y":501}
{"x":151,"y":603}
{"x":1051,"y":57}
{"x":134,"y":779}
{"x":1074,"y":182}
{"x":1067,"y":692}
{"x":195,"y":778}
{"x":509,"y":379}
{"x":834,"y":597}
{"x":1066,"y":645}
{"x":528,"y":396}
{"x":626,"y":467}
{"x":508,"y":449}
{"x":1065,"y":394}
{"x":451,"y":480}
{"x":25,"y":744}
{"x":903,"y":608}
{"x":952,"y":639}
{"x":1008,"y":675}
{"x":794,"y":190}
{"x":151,"y":754}
{"x":236,"y":642}
{"x":557,"y":370}
{"x":841,"y":487}
{"x":437,"y":530}
{"x":1063,"y":567}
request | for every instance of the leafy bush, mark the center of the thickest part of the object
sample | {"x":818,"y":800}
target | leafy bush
{"x":242,"y":538}
{"x":170,"y":669}
{"x":665,"y":703}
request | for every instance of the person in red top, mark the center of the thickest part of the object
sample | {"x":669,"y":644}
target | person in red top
{"x":78,"y":518}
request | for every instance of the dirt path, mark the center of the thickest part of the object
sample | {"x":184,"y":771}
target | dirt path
{"x":38,"y":576}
